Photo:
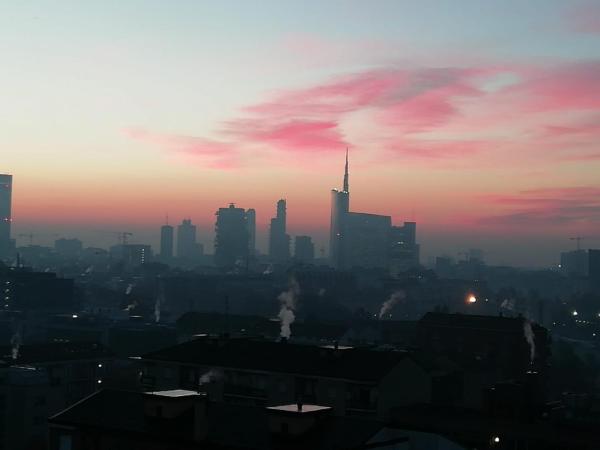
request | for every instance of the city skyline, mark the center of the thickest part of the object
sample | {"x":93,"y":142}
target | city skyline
{"x":170,"y":112}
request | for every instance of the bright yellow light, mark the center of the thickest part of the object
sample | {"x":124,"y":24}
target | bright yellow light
{"x":472,"y":299}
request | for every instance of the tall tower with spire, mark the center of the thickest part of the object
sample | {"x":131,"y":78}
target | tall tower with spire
{"x":340,"y":206}
{"x":346,"y":188}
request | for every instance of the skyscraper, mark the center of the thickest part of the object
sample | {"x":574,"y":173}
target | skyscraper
{"x":5,"y":213}
{"x":279,"y":240}
{"x":251,"y":226}
{"x":186,"y":239}
{"x":304,"y":249}
{"x":166,"y":242}
{"x":231,"y":237}
{"x":340,"y":206}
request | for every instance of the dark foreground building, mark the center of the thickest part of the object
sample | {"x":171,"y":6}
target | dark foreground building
{"x":182,"y":420}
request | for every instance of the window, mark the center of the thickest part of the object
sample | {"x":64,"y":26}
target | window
{"x":65,"y":442}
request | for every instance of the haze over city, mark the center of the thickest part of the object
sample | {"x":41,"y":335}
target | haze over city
{"x":478,"y":122}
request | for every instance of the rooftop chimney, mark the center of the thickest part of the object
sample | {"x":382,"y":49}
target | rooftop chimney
{"x":292,"y":421}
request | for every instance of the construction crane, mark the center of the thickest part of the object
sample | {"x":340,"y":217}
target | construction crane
{"x":30,"y":236}
{"x":578,"y":239}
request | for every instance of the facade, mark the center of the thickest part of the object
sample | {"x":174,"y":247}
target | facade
{"x":5,"y":214}
{"x":186,"y":239}
{"x":352,"y":381}
{"x":489,"y":349}
{"x":166,"y":242}
{"x":25,"y":290}
{"x":574,"y":263}
{"x":366,"y":241}
{"x":131,"y":255}
{"x":42,"y":380}
{"x":232,"y":237}
{"x":304,"y":249}
{"x":404,"y":250}
{"x":594,"y":266}
{"x":279,"y":240}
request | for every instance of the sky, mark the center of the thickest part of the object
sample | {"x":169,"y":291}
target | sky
{"x":479,"y":120}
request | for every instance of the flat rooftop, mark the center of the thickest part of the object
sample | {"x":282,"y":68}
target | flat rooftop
{"x":293,"y":408}
{"x":175,"y":393}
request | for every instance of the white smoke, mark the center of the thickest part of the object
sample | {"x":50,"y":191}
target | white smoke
{"x":129,"y":289}
{"x":391,"y":302}
{"x":268,"y":270}
{"x":157,"y":309}
{"x":530,"y":338}
{"x":287,"y":299}
{"x":322,"y":292}
{"x":211,"y":375}
{"x":15,"y":341}
{"x":89,"y":269}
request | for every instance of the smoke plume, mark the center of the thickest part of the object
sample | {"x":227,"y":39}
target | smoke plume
{"x":287,"y":299}
{"x":15,"y":341}
{"x":530,"y":338}
{"x":157,"y":309}
{"x":211,"y":375}
{"x":391,"y":302}
{"x":129,"y":289}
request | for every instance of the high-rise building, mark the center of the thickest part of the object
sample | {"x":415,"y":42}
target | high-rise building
{"x":279,"y":240}
{"x":594,"y":266}
{"x":166,"y":242}
{"x":68,"y":248}
{"x":186,"y":239}
{"x":132,"y":255}
{"x":340,"y":206}
{"x":231,"y":237}
{"x":304,"y":249}
{"x":574,"y":263}
{"x":5,"y":213}
{"x":367,"y":240}
{"x":251,"y":226}
{"x":404,"y":250}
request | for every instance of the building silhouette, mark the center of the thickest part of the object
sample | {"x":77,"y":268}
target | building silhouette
{"x":404,"y":250}
{"x":132,"y":255}
{"x":340,"y":206}
{"x":251,"y":226}
{"x":166,"y":242}
{"x":68,"y":248}
{"x":231,"y":237}
{"x":368,"y":241}
{"x":186,"y":239}
{"x":304,"y":249}
{"x":5,"y":214}
{"x":365,"y":241}
{"x":279,"y":240}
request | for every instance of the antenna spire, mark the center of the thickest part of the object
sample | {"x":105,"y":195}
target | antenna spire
{"x":346,"y":187}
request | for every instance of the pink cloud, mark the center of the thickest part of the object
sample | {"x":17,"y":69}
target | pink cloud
{"x":574,"y":86}
{"x":207,"y":152}
{"x":579,"y":206}
{"x":546,"y":114}
{"x":292,"y":135}
{"x":430,"y":150}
